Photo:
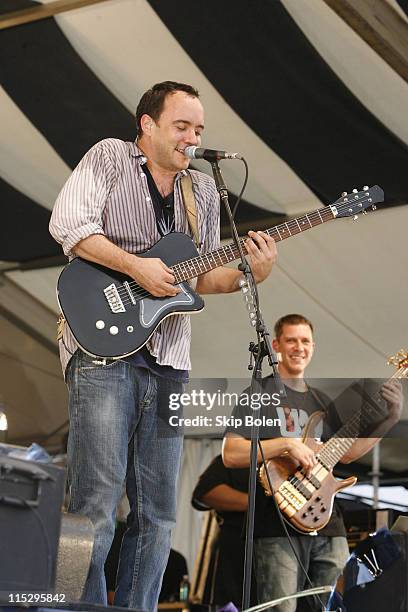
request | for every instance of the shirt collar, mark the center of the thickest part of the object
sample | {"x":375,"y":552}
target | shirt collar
{"x":141,"y":158}
{"x":137,"y":153}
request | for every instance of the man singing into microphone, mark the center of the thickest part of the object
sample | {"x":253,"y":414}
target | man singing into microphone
{"x":121,"y":198}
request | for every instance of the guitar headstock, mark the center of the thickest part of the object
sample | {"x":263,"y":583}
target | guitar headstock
{"x":399,"y":360}
{"x":351,"y":204}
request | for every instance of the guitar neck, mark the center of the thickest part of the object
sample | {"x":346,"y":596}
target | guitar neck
{"x":334,"y":449}
{"x":204,"y":263}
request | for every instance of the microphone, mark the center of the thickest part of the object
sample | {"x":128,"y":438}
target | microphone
{"x":208,"y":154}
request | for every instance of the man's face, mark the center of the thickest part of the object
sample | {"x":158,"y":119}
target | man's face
{"x":180,"y":125}
{"x":295,"y":346}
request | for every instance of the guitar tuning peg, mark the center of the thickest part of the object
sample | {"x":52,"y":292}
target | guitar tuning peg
{"x":364,"y":212}
{"x":355,"y":190}
{"x":373,"y":207}
{"x":365,"y":188}
{"x":343,"y":193}
{"x":355,"y":218}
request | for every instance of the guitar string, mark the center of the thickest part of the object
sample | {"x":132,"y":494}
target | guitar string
{"x":402,"y":372}
{"x":191,"y":263}
{"x":355,"y":420}
{"x":141,"y":293}
{"x":328,"y":458}
{"x":189,"y":266}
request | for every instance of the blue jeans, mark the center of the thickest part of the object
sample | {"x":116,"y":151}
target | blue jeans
{"x":278,"y":572}
{"x":117,"y":414}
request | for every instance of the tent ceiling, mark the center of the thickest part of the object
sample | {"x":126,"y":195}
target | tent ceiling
{"x":314,"y":110}
{"x":312,"y":107}
{"x":360,"y":68}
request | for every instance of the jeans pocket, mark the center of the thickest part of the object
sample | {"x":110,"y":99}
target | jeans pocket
{"x":151,"y":391}
{"x":100,"y":368}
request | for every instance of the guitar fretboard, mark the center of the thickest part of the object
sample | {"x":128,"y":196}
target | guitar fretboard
{"x":204,"y":263}
{"x":335,"y":448}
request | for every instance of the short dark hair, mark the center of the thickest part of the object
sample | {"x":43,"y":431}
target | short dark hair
{"x":290,"y":319}
{"x":152,"y":101}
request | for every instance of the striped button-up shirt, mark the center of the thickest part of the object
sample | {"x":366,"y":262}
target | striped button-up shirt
{"x":107,"y":194}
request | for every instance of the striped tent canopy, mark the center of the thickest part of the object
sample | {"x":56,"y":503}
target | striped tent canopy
{"x":313,"y":96}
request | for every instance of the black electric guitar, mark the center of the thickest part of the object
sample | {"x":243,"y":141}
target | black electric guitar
{"x":110,"y":315}
{"x":307,"y":502}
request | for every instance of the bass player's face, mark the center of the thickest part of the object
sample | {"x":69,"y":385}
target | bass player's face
{"x":295,"y":346}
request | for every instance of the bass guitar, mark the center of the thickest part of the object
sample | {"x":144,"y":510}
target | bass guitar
{"x":110,"y":315}
{"x":307,"y":502}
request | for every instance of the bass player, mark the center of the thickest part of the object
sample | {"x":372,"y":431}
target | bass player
{"x":323,"y":556}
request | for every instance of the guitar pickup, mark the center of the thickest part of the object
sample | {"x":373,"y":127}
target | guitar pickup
{"x":315,"y":481}
{"x":301,"y":487}
{"x":114,"y":299}
{"x":292,"y":495}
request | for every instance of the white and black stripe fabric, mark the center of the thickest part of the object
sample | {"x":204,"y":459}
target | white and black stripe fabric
{"x":310,"y":123}
{"x":267,"y":70}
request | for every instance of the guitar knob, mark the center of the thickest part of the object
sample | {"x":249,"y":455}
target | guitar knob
{"x":316,"y":518}
{"x":305,"y":514}
{"x":318,"y":498}
{"x":311,"y":508}
{"x":323,"y":508}
{"x":113,"y":330}
{"x":100,"y":324}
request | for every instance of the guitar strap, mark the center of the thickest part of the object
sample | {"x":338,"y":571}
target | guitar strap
{"x":318,"y":400}
{"x":190,"y":205}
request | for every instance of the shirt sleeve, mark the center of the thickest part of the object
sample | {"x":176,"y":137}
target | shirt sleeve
{"x":216,"y":474}
{"x":78,"y":210}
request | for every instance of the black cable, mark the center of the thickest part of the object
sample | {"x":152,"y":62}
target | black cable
{"x":317,"y":597}
{"x":241,"y":193}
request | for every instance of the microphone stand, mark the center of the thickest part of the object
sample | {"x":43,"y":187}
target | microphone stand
{"x":258,"y":351}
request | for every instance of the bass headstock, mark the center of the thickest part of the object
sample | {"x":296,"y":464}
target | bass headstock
{"x":356,"y":202}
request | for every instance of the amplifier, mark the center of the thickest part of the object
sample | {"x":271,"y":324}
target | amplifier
{"x":31,"y":497}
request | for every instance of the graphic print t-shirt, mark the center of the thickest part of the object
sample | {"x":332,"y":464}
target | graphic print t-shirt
{"x":288,"y":419}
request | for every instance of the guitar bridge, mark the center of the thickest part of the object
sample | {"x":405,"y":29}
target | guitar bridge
{"x":114,"y":300}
